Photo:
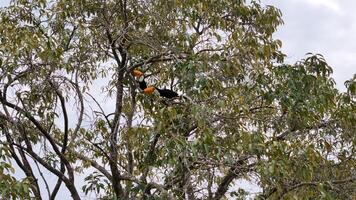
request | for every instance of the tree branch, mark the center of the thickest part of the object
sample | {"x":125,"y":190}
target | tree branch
{"x":43,"y":178}
{"x":116,"y":121}
{"x":70,"y":185}
{"x":64,"y":142}
{"x":102,"y":111}
{"x":233,"y":173}
{"x":51,"y":141}
{"x":315,"y":184}
{"x":36,"y":123}
{"x":149,"y":157}
{"x":283,"y":135}
{"x":24,"y":164}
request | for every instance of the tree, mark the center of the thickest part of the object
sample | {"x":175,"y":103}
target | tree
{"x":284,"y":127}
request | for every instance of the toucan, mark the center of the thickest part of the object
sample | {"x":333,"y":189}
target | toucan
{"x":169,"y":94}
{"x":141,"y":79}
{"x":142,"y":83}
{"x":150,"y":89}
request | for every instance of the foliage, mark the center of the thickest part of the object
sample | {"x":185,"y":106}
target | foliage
{"x":10,"y":188}
{"x":249,"y":116}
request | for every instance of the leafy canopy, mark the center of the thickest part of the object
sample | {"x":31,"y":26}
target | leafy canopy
{"x":249,"y":116}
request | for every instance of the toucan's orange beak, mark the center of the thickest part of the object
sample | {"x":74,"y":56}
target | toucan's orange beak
{"x":149,"y":90}
{"x":137,"y":73}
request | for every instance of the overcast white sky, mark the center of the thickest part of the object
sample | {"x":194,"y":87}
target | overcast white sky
{"x":327,"y":27}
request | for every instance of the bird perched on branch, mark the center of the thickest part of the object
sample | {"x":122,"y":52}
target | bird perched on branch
{"x":169,"y":94}
{"x":141,"y":79}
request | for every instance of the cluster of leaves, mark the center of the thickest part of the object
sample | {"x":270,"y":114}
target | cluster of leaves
{"x":10,"y":187}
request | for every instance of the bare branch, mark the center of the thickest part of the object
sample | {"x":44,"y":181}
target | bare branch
{"x":43,"y":178}
{"x":36,"y":123}
{"x":102,"y":111}
{"x":70,"y":38}
{"x":234,"y":172}
{"x":64,"y":142}
{"x":94,"y":164}
{"x":70,"y":185}
{"x":118,"y":108}
{"x":23,"y":163}
{"x":51,"y":141}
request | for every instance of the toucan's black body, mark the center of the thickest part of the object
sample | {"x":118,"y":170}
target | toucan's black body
{"x":142,"y":84}
{"x":167,"y":93}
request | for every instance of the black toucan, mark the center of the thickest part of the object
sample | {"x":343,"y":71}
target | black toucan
{"x":141,"y":79}
{"x":167,"y":93}
{"x":142,"y":83}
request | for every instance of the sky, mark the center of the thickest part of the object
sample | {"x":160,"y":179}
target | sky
{"x":327,"y":27}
